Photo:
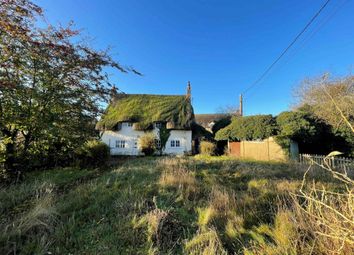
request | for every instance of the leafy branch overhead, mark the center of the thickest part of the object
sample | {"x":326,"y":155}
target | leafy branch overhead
{"x":52,"y":83}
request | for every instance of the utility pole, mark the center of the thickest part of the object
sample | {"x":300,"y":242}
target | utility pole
{"x":241,"y":106}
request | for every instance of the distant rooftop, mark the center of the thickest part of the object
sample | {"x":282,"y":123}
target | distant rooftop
{"x":205,"y":119}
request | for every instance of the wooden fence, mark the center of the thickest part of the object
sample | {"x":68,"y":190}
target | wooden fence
{"x":337,"y":163}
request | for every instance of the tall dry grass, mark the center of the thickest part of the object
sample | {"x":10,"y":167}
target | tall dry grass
{"x":37,"y":224}
{"x":162,"y":229}
{"x":204,"y":243}
{"x":325,"y":216}
{"x":175,"y":174}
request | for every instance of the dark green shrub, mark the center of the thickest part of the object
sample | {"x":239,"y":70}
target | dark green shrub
{"x":147,"y":144}
{"x":92,"y":154}
{"x":207,"y":148}
{"x":248,"y":128}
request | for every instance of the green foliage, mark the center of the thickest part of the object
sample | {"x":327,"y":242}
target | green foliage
{"x":221,"y":124}
{"x":164,"y":134}
{"x":248,"y":128}
{"x":207,"y":148}
{"x":311,"y":133}
{"x":297,"y":125}
{"x":92,"y":154}
{"x":3,"y":142}
{"x":52,"y":88}
{"x":177,"y":111}
{"x":332,"y":101}
{"x":147,"y":144}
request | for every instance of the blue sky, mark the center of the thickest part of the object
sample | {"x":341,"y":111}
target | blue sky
{"x":220,"y":46}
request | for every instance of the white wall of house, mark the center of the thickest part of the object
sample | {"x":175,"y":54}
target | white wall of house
{"x":126,"y":141}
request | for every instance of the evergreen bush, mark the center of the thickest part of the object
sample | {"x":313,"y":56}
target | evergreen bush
{"x":92,"y":153}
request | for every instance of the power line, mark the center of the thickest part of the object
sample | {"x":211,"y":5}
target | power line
{"x":325,"y":20}
{"x":287,"y":48}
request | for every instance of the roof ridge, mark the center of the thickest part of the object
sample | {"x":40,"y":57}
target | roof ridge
{"x":144,"y":109}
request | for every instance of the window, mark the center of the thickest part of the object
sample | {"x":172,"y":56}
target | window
{"x":120,"y":144}
{"x":175,"y":143}
{"x":130,"y":124}
{"x":158,"y":143}
{"x":158,"y":125}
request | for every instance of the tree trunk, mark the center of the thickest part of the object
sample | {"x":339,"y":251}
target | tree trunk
{"x":9,"y":163}
{"x":10,"y":151}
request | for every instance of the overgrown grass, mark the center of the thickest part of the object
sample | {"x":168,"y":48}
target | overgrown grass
{"x":193,"y":205}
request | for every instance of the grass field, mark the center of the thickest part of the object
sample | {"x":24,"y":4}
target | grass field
{"x":195,"y":205}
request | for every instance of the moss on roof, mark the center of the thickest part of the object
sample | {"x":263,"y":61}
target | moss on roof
{"x":144,"y":110}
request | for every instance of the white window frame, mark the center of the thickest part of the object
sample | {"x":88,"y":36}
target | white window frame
{"x":130,"y":124}
{"x":120,"y":144}
{"x":158,"y":143}
{"x":175,"y":143}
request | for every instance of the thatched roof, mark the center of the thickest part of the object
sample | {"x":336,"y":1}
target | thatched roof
{"x":143,"y":110}
{"x":205,"y":119}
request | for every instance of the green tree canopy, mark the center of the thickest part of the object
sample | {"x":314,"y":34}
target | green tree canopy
{"x":311,"y":133}
{"x":52,"y":85}
{"x":248,"y":128}
{"x":297,"y":125}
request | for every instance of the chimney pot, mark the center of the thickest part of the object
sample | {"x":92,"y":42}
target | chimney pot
{"x":189,"y":90}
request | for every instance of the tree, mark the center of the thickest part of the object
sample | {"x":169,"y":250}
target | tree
{"x":221,"y":123}
{"x":248,"y":128}
{"x":52,"y":86}
{"x":311,"y":133}
{"x":331,"y":100}
{"x":229,"y":109}
{"x":297,"y":125}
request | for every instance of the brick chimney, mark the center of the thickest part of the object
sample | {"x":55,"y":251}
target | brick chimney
{"x":189,"y":90}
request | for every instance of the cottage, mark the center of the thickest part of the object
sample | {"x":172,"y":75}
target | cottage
{"x":130,"y":116}
{"x":210,"y":121}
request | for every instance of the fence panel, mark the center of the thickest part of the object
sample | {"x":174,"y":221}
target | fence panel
{"x":344,"y":165}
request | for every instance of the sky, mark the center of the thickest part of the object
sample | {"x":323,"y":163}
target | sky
{"x":221,"y":47}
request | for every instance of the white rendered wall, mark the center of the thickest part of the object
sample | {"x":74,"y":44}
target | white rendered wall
{"x":185,"y":138}
{"x":131,"y":138}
